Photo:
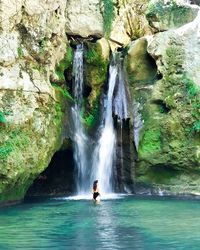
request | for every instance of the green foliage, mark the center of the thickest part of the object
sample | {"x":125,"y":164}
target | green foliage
{"x":20,"y":52}
{"x":64,"y":64}
{"x":108,"y":16}
{"x":63,"y":91}
{"x":2,"y":117}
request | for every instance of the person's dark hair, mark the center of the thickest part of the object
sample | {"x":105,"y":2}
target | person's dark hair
{"x":95,"y":185}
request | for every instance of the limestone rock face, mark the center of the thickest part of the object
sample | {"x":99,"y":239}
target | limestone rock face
{"x":164,"y":15}
{"x":10,"y":14}
{"x":33,"y":42}
{"x":186,"y":40}
{"x":129,"y":22}
{"x":139,"y":65}
{"x":8,"y":50}
{"x":29,"y":137}
{"x":168,"y":149}
{"x":38,"y":7}
{"x":83,"y":18}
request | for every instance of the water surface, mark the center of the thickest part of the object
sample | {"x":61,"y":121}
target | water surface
{"x":126,"y":223}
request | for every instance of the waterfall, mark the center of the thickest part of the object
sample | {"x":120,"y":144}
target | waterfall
{"x":120,"y":103}
{"x":98,"y":163}
{"x":105,"y":151}
{"x":80,"y":139}
{"x":120,"y":108}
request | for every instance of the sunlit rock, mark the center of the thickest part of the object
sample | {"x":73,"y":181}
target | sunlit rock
{"x":83,"y":18}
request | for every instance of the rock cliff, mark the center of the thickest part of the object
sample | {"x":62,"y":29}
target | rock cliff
{"x":168,"y":148}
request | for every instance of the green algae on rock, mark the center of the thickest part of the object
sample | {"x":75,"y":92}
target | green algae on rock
{"x":169,"y":140}
{"x":164,"y":15}
{"x":108,"y":16}
{"x":97,"y":59}
{"x":63,"y":65}
{"x":23,"y":152}
{"x":140,"y":66}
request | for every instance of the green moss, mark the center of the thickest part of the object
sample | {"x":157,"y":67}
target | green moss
{"x":151,"y":142}
{"x":141,"y":68}
{"x":65,"y":93}
{"x":97,"y":66}
{"x":2,"y":117}
{"x":39,"y":67}
{"x":5,"y":150}
{"x":92,"y":56}
{"x":193,"y":95}
{"x":167,"y":9}
{"x":64,"y":64}
{"x":42,"y":45}
{"x":196,"y":126}
{"x":159,"y":7}
{"x":20,"y":52}
{"x":20,"y":160}
{"x":15,"y":139}
{"x":174,"y":59}
{"x":160,"y":175}
{"x":108,"y":16}
{"x":90,"y":117}
{"x":191,"y":88}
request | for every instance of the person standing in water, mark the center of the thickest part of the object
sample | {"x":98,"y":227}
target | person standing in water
{"x":96,"y":192}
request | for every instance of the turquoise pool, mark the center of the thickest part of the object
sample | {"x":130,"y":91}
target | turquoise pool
{"x":126,"y":223}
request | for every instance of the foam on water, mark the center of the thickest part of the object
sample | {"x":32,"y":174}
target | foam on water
{"x":111,"y":196}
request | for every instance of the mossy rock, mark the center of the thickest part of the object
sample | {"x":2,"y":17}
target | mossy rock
{"x":164,"y":15}
{"x":169,"y":152}
{"x":108,"y":16}
{"x":90,"y":114}
{"x":150,"y":143}
{"x":97,"y":59}
{"x":39,"y":126}
{"x":140,"y":66}
{"x":63,"y":65}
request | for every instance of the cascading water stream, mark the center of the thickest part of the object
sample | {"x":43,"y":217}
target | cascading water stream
{"x":104,"y":152}
{"x":120,"y":103}
{"x":80,"y":138}
{"x":120,"y":108}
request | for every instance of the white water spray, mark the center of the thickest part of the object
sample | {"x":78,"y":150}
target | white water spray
{"x":80,"y":138}
{"x":104,"y":153}
{"x":120,"y":103}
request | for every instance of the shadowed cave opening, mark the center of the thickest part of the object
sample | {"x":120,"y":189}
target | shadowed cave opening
{"x":57,"y":179}
{"x":163,"y":108}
